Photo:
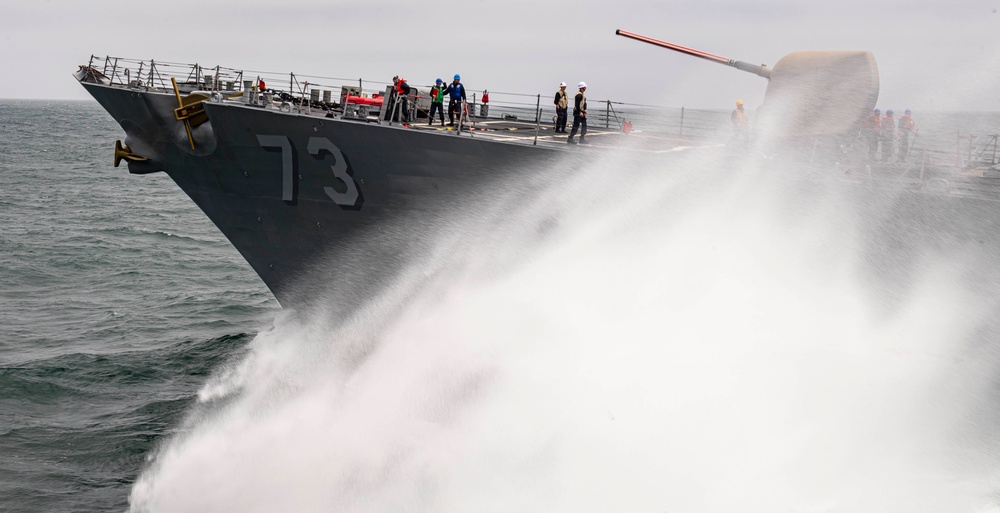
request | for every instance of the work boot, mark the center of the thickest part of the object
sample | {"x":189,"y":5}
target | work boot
{"x":570,"y":141}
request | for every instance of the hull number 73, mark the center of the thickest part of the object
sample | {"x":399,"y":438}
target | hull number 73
{"x":321,"y":149}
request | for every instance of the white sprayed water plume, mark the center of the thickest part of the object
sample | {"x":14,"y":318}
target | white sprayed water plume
{"x":692,"y":338}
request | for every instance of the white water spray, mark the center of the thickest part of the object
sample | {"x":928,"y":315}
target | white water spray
{"x":684,"y":339}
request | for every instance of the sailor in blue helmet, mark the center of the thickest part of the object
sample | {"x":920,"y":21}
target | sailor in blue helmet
{"x":456,"y":96}
{"x":437,"y":102}
{"x":888,"y":136}
{"x":871,"y":133}
{"x":907,"y":127}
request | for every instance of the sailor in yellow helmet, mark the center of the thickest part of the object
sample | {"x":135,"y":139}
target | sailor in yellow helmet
{"x":741,"y":123}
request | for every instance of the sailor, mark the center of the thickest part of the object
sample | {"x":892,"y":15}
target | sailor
{"x":871,"y":133}
{"x":456,"y":95}
{"x":740,"y":123}
{"x":888,"y":135}
{"x":402,"y":90}
{"x":579,"y":115}
{"x":437,"y":102}
{"x":562,"y":107}
{"x":906,"y":127}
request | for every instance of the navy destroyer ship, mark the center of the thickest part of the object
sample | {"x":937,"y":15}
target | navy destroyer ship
{"x":295,"y":175}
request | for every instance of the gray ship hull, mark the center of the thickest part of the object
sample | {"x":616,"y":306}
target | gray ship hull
{"x":291,"y":192}
{"x":316,"y":204}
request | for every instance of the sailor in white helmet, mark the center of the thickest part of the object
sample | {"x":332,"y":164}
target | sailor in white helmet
{"x":579,"y":115}
{"x":562,"y":107}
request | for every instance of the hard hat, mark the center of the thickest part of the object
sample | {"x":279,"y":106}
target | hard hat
{"x":907,"y":112}
{"x":877,"y":111}
{"x":888,"y":112}
{"x":581,"y":85}
{"x":739,"y":102}
{"x":439,"y":81}
{"x":458,"y":77}
{"x":562,"y":84}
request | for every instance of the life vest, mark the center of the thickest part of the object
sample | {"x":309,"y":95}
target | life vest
{"x":739,"y":118}
{"x":906,"y":124}
{"x":456,"y":91}
{"x":437,"y":94}
{"x":874,"y":124}
{"x":402,"y":87}
{"x":888,"y":126}
{"x":581,"y":104}
{"x":562,"y":99}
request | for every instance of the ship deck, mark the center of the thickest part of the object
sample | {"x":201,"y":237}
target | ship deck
{"x":544,"y":134}
{"x":530,"y":132}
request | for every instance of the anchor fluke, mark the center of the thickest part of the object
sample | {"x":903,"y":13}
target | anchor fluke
{"x":190,"y":110}
{"x":122,"y":152}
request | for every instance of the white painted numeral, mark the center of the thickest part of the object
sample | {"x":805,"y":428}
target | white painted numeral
{"x":287,"y":169}
{"x":349,"y":197}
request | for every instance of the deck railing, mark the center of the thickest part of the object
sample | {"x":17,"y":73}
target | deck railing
{"x":308,"y":92}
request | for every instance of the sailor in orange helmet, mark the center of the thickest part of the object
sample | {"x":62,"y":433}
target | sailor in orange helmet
{"x":741,"y":124}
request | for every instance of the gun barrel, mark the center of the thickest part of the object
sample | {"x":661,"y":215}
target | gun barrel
{"x":760,"y":70}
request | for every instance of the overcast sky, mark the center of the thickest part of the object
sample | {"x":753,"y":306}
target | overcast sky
{"x":931,"y":54}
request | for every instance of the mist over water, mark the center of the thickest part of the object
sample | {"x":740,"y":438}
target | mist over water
{"x":643,"y":335}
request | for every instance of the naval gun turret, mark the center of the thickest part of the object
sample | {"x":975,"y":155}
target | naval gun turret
{"x":809,"y":94}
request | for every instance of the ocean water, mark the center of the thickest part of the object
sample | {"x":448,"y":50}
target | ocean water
{"x":118,"y":298}
{"x":706,"y":343}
